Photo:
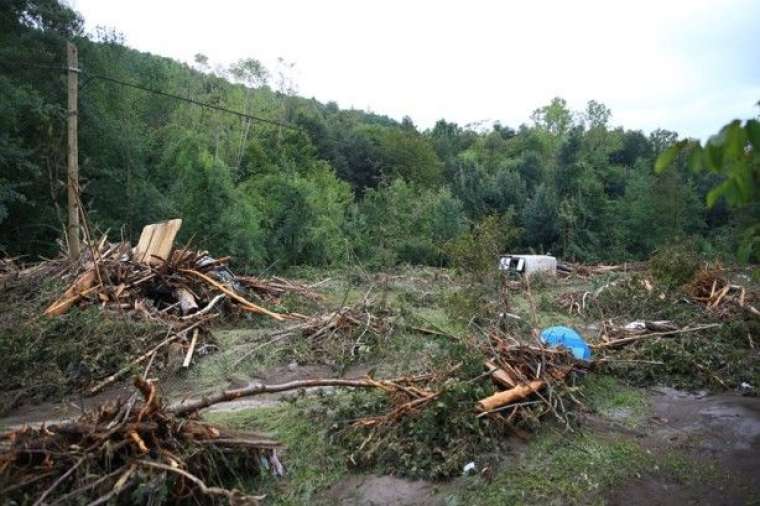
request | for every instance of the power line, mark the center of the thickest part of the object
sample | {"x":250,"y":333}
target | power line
{"x":155,"y":91}
{"x":189,"y":100}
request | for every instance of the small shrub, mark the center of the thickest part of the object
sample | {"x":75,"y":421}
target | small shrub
{"x":674,"y":266}
{"x":475,"y":255}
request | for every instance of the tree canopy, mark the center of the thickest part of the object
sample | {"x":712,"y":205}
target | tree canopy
{"x":343,"y":184}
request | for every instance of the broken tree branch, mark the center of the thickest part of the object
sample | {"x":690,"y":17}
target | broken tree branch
{"x":259,"y":389}
{"x":124,"y":370}
{"x":189,"y":356}
{"x":253,"y":307}
{"x":633,"y":339}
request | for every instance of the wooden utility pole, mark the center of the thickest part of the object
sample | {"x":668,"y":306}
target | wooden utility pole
{"x":73,"y":155}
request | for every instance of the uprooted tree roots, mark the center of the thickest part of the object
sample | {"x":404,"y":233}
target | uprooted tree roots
{"x":711,"y":288}
{"x":130,"y":451}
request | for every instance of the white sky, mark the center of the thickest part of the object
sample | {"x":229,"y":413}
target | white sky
{"x":689,"y":66}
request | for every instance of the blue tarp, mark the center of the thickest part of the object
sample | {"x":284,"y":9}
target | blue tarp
{"x":566,"y":337}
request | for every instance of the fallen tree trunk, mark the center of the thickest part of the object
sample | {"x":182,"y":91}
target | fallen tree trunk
{"x":259,"y":389}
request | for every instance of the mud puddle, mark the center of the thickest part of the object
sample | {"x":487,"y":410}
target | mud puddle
{"x":719,"y":434}
{"x":374,"y":490}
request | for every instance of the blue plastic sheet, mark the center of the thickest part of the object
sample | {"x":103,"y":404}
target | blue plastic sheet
{"x":565,"y":337}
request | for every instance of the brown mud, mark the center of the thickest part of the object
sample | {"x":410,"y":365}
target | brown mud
{"x":720,"y":436}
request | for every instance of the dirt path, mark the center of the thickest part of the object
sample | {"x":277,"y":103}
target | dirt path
{"x":374,"y":490}
{"x":721,"y":436}
{"x":70,"y":408}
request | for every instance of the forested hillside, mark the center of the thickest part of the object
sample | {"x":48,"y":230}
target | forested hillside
{"x":341,"y":185}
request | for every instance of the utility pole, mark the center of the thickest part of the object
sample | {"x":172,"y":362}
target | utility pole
{"x":73,"y":153}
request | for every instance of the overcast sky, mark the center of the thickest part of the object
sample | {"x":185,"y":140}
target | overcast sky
{"x":689,"y":66}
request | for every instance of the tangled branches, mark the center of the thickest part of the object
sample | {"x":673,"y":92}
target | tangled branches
{"x":331,"y":338}
{"x":533,"y":377}
{"x":718,"y":295}
{"x":131,"y":447}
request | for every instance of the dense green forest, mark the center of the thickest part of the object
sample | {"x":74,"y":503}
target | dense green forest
{"x":342,"y":186}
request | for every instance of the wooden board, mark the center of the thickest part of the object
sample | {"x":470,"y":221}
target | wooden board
{"x":156,"y":241}
{"x":81,"y":286}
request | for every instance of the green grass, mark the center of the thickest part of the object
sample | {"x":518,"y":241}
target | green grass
{"x":312,"y":464}
{"x":563,"y":468}
{"x":615,"y":400}
{"x":217,"y":368}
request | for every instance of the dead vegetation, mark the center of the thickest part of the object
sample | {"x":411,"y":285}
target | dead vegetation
{"x":335,"y":338}
{"x":132,"y":451}
{"x":460,"y":398}
{"x":172,"y":294}
{"x":721,"y":297}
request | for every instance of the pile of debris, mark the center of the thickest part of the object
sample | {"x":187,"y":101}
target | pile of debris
{"x":332,"y":338}
{"x":14,"y":276}
{"x":178,"y":289}
{"x":614,"y":336}
{"x":531,"y":379}
{"x":274,"y":289}
{"x":154,"y":279}
{"x":717,"y":294}
{"x":342,"y":333}
{"x":574,"y":302}
{"x":135,"y":450}
{"x":567,"y":269}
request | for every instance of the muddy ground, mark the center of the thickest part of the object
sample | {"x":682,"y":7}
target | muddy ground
{"x":716,"y":435}
{"x":629,"y":445}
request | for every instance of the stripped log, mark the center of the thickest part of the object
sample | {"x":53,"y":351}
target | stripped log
{"x":505,"y":397}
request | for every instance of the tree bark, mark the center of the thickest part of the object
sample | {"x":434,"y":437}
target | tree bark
{"x":249,"y":391}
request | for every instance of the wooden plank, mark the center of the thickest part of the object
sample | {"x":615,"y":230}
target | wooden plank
{"x":500,"y":375}
{"x":156,"y":242}
{"x":82,"y":286}
{"x":144,"y":243}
